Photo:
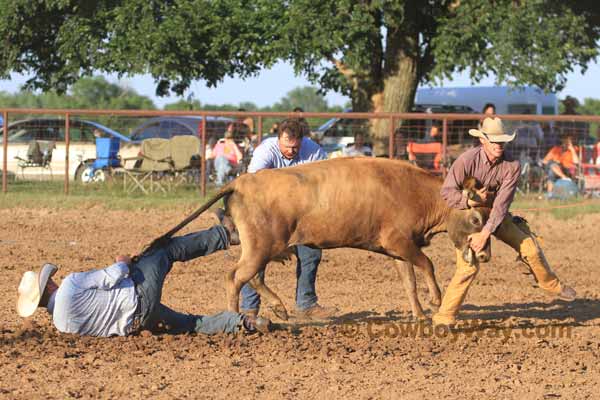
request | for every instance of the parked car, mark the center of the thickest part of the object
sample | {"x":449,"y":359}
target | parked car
{"x":82,"y":146}
{"x":167,"y":127}
{"x":337,"y":133}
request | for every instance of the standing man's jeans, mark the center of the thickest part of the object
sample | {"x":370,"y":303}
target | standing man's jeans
{"x":223,"y":168}
{"x":306,"y":276}
{"x":149,"y":275}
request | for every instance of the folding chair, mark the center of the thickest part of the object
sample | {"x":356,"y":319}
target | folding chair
{"x":152,"y":165}
{"x":426,"y":155}
{"x":185,"y":155}
{"x":39,"y":155}
{"x":107,"y":159}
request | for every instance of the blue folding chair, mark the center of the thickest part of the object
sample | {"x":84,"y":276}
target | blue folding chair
{"x":107,"y":157}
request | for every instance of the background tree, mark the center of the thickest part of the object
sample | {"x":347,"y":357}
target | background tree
{"x":377,"y":51}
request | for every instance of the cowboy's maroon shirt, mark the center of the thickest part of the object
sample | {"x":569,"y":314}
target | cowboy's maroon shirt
{"x":502,"y":177}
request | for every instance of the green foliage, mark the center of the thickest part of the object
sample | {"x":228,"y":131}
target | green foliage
{"x":87,"y":93}
{"x":589,"y":107}
{"x":351,"y":46}
{"x":531,"y":42}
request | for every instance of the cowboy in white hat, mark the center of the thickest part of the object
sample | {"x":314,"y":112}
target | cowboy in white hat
{"x":124,"y":298}
{"x":498,"y":177}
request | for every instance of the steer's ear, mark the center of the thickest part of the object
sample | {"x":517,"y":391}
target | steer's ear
{"x":470,"y":183}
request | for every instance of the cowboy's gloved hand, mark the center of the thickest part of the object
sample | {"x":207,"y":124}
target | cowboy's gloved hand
{"x":123,"y":258}
{"x":478,"y":240}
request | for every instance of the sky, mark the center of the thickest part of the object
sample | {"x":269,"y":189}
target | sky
{"x":269,"y":86}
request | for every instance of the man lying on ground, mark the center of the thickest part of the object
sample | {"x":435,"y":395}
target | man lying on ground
{"x":124,"y":298}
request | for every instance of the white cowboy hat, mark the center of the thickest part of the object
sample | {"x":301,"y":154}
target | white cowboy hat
{"x":32,"y":287}
{"x":492,"y":129}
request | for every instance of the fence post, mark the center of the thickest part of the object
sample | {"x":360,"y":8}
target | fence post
{"x":67,"y":143}
{"x":260,"y":129}
{"x":444,"y":146}
{"x":203,"y":158}
{"x":5,"y":151}
{"x":391,"y":140}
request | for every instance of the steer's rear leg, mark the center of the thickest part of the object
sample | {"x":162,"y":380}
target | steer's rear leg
{"x":275,"y":303}
{"x":246,"y":271}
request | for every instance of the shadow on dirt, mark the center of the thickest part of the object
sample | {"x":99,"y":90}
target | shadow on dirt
{"x":579,"y":311}
{"x":557,"y":313}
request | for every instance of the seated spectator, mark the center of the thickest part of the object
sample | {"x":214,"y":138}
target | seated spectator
{"x":227,"y":156}
{"x":434,"y":134}
{"x":209,"y":154}
{"x":561,"y":161}
{"x":489,"y":109}
{"x":358,"y":148}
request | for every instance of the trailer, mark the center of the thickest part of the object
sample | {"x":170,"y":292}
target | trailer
{"x":508,"y":100}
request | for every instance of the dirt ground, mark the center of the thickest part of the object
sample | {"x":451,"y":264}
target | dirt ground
{"x":508,"y":345}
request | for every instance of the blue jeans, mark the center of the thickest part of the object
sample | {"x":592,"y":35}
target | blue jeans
{"x":223,"y":168}
{"x":306,"y":276}
{"x":552,"y":177}
{"x":149,"y":274}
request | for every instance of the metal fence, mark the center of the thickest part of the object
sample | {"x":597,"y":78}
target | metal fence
{"x":63,"y":144}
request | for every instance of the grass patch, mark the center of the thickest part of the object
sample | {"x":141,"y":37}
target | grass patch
{"x":560,"y":209}
{"x":50,"y":194}
{"x":110,"y":195}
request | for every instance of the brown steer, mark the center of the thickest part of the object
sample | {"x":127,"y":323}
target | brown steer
{"x":380,"y":205}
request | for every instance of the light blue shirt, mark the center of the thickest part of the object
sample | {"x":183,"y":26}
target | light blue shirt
{"x":97,"y":303}
{"x":267,"y":155}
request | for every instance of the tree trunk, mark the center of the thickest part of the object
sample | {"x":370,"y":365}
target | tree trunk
{"x":400,"y":73}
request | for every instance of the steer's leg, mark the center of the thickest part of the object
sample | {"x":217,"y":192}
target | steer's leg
{"x":407,"y":272}
{"x":407,"y":250}
{"x":423,"y":262}
{"x":275,"y":303}
{"x":246,"y":271}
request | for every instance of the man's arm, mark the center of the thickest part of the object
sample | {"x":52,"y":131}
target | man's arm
{"x":452,"y":188}
{"x":104,"y":279}
{"x":261,"y":159}
{"x":320,"y":153}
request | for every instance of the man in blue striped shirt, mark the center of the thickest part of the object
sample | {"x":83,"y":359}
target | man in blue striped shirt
{"x":124,"y":298}
{"x":291,"y":148}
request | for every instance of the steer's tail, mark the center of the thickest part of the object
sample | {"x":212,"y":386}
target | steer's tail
{"x":162,"y":240}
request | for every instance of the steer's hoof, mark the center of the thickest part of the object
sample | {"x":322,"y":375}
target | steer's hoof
{"x":435,"y":304}
{"x":280,"y":312}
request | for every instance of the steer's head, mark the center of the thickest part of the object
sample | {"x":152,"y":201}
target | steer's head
{"x":462,"y":223}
